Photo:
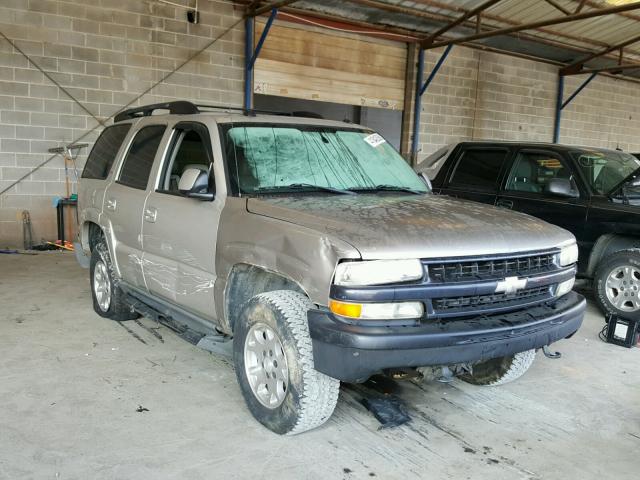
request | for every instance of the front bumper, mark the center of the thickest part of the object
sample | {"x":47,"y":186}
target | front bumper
{"x":352,"y":353}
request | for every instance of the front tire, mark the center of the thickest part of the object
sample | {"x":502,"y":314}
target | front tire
{"x":617,"y":284}
{"x":273,"y":359}
{"x":108,"y":298}
{"x":501,"y":370}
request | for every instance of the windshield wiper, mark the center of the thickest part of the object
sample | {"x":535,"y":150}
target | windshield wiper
{"x":304,"y":186}
{"x":389,"y":188}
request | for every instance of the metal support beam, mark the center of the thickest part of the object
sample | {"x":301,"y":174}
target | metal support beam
{"x":437,"y":66}
{"x":614,"y":69}
{"x":559,"y":95}
{"x":248,"y":53}
{"x":560,"y":104}
{"x":578,"y":90}
{"x":542,"y":23}
{"x":576,"y":67}
{"x":250,"y":56}
{"x":417,"y":107}
{"x":420,"y":89}
{"x":475,"y":11}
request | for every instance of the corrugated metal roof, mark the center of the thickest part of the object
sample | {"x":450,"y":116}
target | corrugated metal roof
{"x":564,"y":43}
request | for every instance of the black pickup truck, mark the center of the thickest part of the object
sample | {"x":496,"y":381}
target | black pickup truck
{"x":594,"y":193}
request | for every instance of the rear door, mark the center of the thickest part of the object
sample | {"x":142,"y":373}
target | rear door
{"x":179,"y":233}
{"x":124,"y":201}
{"x":96,"y":172}
{"x":525,"y":189}
{"x":476,"y":173}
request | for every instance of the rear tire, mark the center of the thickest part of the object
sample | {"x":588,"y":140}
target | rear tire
{"x":617,"y":284}
{"x":109,"y":301}
{"x":501,"y":370}
{"x":273,"y":359}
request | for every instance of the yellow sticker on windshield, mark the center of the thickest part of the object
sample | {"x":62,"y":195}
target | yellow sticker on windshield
{"x":374,"y":140}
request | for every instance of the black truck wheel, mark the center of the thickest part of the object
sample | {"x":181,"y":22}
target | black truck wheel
{"x":617,"y":284}
{"x":273,"y":360}
{"x":108,"y":298}
{"x":499,"y":371}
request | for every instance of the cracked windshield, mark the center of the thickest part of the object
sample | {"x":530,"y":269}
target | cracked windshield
{"x":283,"y":158}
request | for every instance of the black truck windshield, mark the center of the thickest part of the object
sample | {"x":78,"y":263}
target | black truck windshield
{"x":274,"y":158}
{"x":604,"y":170}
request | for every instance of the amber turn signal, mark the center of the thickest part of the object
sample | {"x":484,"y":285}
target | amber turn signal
{"x":351,"y":310}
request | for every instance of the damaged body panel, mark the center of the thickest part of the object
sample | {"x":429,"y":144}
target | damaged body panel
{"x":315,"y":246}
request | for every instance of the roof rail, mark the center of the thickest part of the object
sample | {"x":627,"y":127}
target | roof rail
{"x":181,"y":107}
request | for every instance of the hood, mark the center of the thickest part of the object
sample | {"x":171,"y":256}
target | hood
{"x":412,"y":226}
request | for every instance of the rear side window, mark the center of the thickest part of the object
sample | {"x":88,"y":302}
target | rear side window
{"x":104,"y":152}
{"x":479,"y":168}
{"x":139,"y":160}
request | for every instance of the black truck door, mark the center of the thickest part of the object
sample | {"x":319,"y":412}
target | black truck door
{"x":526,"y":189}
{"x":476,"y":173}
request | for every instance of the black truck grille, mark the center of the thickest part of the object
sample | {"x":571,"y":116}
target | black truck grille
{"x":490,"y":301}
{"x":489,"y":269}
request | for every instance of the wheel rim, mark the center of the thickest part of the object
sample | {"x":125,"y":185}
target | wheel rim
{"x":622,"y":288}
{"x":265,"y":365}
{"x":102,"y":286}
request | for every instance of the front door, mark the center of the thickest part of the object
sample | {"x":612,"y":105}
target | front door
{"x":180,"y":233}
{"x":124,"y":200}
{"x":526,"y":190}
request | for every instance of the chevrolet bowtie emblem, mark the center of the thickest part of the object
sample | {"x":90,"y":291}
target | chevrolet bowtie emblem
{"x":511,"y":285}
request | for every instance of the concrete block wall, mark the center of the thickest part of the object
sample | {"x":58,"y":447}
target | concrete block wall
{"x":605,"y":114}
{"x":105,"y":53}
{"x":486,"y":95}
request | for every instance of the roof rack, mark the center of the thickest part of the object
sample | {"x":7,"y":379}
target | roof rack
{"x":183,"y":107}
{"x":179,"y":108}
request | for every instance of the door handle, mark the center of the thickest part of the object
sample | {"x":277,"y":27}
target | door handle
{"x":150,"y":214}
{"x":504,"y":203}
{"x":111,"y":204}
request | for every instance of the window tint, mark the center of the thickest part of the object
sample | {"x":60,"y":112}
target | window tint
{"x":189,"y":150}
{"x":104,"y":152}
{"x":139,"y":159}
{"x":532,"y":171}
{"x":479,"y":168}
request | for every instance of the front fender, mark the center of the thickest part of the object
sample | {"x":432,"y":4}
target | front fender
{"x":305,"y":256}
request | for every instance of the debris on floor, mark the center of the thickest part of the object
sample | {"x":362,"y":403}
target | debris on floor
{"x":141,"y":409}
{"x":388,"y":410}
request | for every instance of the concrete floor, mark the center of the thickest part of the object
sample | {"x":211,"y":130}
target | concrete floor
{"x":71,"y":382}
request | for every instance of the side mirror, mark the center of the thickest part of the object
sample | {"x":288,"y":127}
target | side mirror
{"x":561,"y":187}
{"x":194,"y":183}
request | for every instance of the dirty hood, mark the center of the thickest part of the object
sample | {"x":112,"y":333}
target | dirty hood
{"x":414,"y":226}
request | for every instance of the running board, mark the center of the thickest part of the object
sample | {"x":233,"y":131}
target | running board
{"x":215,"y":343}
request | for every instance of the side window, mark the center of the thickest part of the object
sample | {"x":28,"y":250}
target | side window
{"x":139,"y":160}
{"x":532,"y":171}
{"x":190,"y":148}
{"x":479,"y":168}
{"x":104,"y":152}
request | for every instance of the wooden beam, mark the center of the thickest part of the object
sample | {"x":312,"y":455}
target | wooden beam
{"x":465,"y":16}
{"x":542,"y":23}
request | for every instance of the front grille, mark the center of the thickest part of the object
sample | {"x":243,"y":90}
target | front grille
{"x":489,"y":269}
{"x":490,"y":301}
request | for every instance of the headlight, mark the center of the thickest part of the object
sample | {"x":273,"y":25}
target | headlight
{"x":377,"y":311}
{"x":377,"y":272}
{"x":564,"y":287}
{"x":569,"y":255}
